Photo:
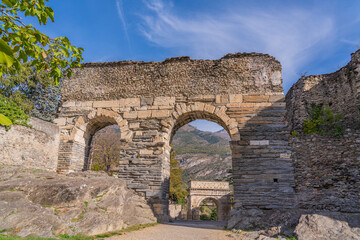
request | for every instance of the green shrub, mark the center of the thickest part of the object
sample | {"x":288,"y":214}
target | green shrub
{"x":294,"y":133}
{"x":98,"y":167}
{"x":323,"y":121}
{"x":13,"y":112}
{"x":204,"y":217}
{"x":213,"y":215}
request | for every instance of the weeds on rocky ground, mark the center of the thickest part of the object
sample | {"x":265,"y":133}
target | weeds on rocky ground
{"x":11,"y":234}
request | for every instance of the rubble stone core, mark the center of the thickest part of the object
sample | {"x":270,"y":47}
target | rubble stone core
{"x":151,"y":101}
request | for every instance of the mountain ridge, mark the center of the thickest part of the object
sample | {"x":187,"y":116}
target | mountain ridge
{"x":203,"y":155}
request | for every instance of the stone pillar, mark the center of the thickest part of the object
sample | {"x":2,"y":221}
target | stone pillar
{"x":263,"y":170}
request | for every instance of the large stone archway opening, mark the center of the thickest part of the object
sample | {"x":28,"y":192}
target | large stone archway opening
{"x":209,"y":209}
{"x":210,"y":188}
{"x":75,"y":144}
{"x":150,"y":101}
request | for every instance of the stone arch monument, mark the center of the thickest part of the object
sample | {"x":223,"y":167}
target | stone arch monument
{"x":150,"y":101}
{"x":219,"y":192}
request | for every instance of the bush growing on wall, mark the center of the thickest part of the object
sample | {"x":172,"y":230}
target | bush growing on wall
{"x":323,"y":121}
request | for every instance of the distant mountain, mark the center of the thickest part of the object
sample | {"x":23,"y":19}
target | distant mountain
{"x":223,"y":134}
{"x":202,"y":155}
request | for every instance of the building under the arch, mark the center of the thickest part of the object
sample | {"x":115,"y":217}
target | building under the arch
{"x":217,"y":191}
{"x":150,"y":101}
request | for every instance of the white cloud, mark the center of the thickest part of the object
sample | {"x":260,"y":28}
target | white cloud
{"x":121,"y":15}
{"x":293,"y":36}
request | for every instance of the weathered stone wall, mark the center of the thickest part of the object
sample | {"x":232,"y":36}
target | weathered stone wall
{"x":233,"y":74}
{"x":175,"y":211}
{"x":35,"y":147}
{"x":339,"y":90}
{"x":151,"y":101}
{"x":327,"y":171}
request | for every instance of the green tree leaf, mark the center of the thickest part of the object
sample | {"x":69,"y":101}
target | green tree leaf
{"x":7,"y":3}
{"x":6,"y":59}
{"x":5,"y":121}
{"x":21,"y":42}
{"x":5,"y":48}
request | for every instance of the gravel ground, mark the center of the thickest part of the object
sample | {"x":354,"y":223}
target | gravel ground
{"x":183,"y":230}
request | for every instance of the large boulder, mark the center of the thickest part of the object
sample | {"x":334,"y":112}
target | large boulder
{"x":46,"y":204}
{"x":299,"y":223}
{"x":331,"y":227}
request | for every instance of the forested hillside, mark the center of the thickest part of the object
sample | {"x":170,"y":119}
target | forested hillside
{"x":202,"y":155}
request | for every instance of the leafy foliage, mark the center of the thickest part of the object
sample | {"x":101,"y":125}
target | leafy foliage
{"x":322,"y":120}
{"x":5,"y":121}
{"x":31,"y":63}
{"x":46,"y":100}
{"x":33,"y":92}
{"x":20,"y":43}
{"x":178,"y":192}
{"x":208,"y":211}
{"x":12,"y":112}
{"x":294,"y":133}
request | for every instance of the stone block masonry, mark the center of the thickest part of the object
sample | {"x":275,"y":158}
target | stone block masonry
{"x":327,"y":172}
{"x":35,"y":147}
{"x":151,"y":101}
{"x":327,"y":169}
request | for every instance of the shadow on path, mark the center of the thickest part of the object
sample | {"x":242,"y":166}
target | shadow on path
{"x":200,"y":224}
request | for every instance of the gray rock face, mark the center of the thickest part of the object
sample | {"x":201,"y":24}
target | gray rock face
{"x":46,"y":204}
{"x":298,"y":223}
{"x":320,"y":227}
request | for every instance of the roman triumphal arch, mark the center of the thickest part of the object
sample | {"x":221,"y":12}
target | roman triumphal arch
{"x":150,"y":101}
{"x":219,"y":192}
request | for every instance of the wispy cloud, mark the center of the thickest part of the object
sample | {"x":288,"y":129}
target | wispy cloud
{"x":293,"y":36}
{"x":121,"y":15}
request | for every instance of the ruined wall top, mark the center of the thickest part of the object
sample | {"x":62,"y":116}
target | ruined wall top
{"x":216,"y":185}
{"x":182,"y":76}
{"x":339,"y":90}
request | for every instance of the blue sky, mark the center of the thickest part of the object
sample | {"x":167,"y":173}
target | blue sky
{"x":307,"y":37}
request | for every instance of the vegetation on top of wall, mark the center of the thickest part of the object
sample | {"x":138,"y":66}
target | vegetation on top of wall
{"x":323,"y":121}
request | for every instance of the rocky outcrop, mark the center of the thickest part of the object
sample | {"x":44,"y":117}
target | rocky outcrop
{"x":46,"y":204}
{"x":300,"y":224}
{"x":320,"y":227}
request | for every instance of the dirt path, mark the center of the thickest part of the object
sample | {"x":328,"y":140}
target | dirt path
{"x":180,"y":231}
